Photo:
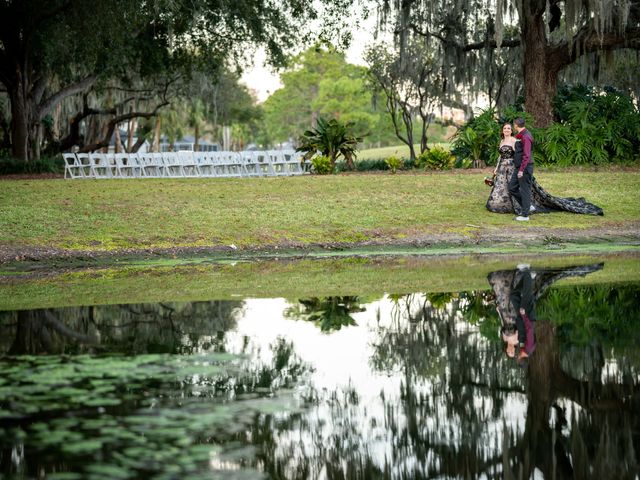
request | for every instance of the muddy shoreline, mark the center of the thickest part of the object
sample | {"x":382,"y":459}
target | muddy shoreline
{"x":43,"y":259}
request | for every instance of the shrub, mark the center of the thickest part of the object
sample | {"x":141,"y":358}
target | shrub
{"x":436,"y":158}
{"x":595,"y":127}
{"x":394,"y":163}
{"x":322,"y":165}
{"x":477,"y":140}
{"x":43,"y":165}
{"x":332,"y":139}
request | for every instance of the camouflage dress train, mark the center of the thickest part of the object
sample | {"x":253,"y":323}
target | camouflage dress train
{"x":543,"y":202}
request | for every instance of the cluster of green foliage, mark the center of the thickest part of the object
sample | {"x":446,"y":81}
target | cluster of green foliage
{"x":321,"y":165}
{"x":394,"y":163}
{"x":10,"y":166}
{"x":594,"y":126}
{"x":436,"y":158}
{"x":329,"y":314}
{"x":476,"y":142}
{"x":587,"y":313}
{"x":331,"y":138}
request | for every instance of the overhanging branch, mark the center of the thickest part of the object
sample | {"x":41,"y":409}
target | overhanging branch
{"x":46,"y":106}
{"x":119,"y":119}
{"x":506,"y":43}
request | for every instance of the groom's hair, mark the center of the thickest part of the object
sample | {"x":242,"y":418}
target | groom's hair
{"x":519,"y":122}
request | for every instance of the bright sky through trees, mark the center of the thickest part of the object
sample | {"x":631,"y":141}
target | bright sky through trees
{"x":264,"y":81}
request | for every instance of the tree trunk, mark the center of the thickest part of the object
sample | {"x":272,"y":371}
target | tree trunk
{"x":155,"y":147}
{"x":196,"y":138}
{"x":540,"y":72}
{"x":226,"y":138}
{"x":130,"y":133}
{"x":19,"y":122}
{"x":408,"y":123}
{"x":117,"y":137}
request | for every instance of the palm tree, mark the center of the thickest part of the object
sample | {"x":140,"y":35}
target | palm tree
{"x":331,"y":138}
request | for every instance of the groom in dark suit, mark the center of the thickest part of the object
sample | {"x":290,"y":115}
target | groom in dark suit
{"x":520,"y":182}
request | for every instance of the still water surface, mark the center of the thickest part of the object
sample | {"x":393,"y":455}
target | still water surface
{"x":406,"y":385}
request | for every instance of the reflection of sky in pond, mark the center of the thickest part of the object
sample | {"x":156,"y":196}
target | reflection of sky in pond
{"x":403,"y":386}
{"x":343,"y":370}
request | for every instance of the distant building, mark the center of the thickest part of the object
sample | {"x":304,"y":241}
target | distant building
{"x":188,"y":142}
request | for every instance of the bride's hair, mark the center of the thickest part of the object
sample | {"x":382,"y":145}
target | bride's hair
{"x":504,"y":125}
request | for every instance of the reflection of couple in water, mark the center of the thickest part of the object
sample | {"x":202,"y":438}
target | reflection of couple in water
{"x":518,"y":330}
{"x":516,"y":292}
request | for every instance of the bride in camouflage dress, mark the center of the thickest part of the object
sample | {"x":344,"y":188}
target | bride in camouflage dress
{"x":541,"y":202}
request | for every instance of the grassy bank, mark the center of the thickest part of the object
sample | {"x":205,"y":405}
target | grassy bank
{"x":106,"y":215}
{"x":362,"y":276}
{"x":401,"y":151}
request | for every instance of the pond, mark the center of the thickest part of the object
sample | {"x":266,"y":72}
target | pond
{"x":397,"y":384}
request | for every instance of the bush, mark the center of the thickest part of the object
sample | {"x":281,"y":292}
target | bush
{"x":322,"y":165}
{"x":394,"y":163}
{"x":10,"y":166}
{"x":436,"y":158}
{"x":477,"y":140}
{"x":596,"y":126}
{"x":332,"y":139}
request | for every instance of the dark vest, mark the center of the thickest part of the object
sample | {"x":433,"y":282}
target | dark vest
{"x":517,"y":156}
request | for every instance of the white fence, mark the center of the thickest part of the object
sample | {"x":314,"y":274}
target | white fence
{"x":184,"y":164}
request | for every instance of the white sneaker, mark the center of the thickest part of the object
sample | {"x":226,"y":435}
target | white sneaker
{"x":520,"y":218}
{"x":532,"y":208}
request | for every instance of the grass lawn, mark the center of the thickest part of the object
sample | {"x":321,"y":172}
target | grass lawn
{"x":110,"y":214}
{"x":401,"y":151}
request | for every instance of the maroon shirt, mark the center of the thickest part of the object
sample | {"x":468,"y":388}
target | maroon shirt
{"x":527,"y":141}
{"x":529,"y":340}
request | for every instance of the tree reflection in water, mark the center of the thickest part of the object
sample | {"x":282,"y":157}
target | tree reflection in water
{"x":448,"y":403}
{"x":144,"y":415}
{"x":130,"y":329}
{"x":462,"y":409}
{"x":328,"y":313}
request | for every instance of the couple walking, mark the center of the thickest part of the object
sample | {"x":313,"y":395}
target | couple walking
{"x":515,"y":189}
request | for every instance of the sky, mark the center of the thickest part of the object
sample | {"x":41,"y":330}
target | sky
{"x":264,"y":81}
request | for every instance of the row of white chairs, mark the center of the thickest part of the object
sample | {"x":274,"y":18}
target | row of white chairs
{"x":184,"y":164}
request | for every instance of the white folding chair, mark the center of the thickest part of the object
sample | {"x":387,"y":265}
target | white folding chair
{"x":100,"y":165}
{"x":145,"y":162}
{"x":277,"y":162}
{"x":126,"y":165}
{"x":72,"y":167}
{"x":136,"y":165}
{"x":219,"y":166}
{"x":84,"y":160}
{"x":263,"y":164}
{"x":251,"y":166}
{"x":292,"y":162}
{"x":171,"y":165}
{"x":189,"y":165}
{"x":236,"y":165}
{"x":204,"y":161}
{"x":158,"y":162}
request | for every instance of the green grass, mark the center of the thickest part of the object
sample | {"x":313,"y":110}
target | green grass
{"x":372,"y":277}
{"x":106,"y":215}
{"x":401,"y":151}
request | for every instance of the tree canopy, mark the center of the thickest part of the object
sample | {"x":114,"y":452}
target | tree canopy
{"x":318,"y":83}
{"x":548,"y":35}
{"x":51,"y":50}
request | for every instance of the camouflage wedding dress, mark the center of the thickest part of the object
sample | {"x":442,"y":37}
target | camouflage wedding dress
{"x":500,"y":202}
